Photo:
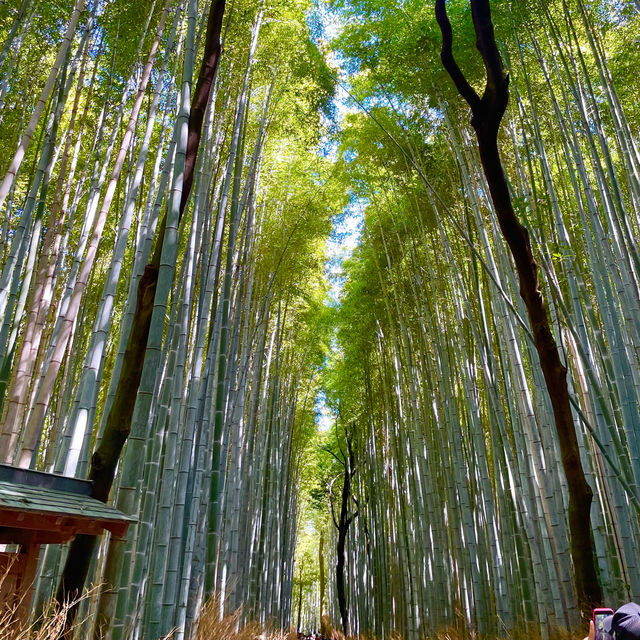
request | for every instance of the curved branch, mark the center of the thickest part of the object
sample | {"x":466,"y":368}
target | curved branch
{"x":333,"y":511}
{"x":448,"y":61}
{"x":497,"y":80}
{"x":328,"y":450}
{"x":352,"y":517}
{"x":208,"y":69}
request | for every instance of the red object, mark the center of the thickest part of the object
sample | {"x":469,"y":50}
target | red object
{"x":600,"y":612}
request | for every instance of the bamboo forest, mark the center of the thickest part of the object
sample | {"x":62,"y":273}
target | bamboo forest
{"x":319,"y":318}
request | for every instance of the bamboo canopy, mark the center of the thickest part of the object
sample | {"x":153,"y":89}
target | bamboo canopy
{"x":337,"y":303}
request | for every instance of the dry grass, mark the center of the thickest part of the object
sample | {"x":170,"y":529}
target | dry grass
{"x":451,"y":633}
{"x":48,"y":626}
{"x":446,"y":634}
{"x":211,"y":627}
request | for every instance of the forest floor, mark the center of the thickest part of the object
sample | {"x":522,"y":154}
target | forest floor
{"x":211,"y":627}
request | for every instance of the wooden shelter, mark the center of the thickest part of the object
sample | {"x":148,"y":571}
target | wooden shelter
{"x":42,"y":508}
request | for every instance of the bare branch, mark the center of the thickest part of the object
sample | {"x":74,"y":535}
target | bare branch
{"x":496,"y":93}
{"x":446,"y":55}
{"x":328,"y":450}
{"x":333,"y":512}
{"x":344,"y":455}
{"x":333,"y":515}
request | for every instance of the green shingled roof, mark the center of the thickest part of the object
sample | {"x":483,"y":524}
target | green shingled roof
{"x":40,"y":500}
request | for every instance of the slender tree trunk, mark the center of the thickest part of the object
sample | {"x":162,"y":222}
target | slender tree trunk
{"x":341,"y":587}
{"x":322,"y":585}
{"x":118,"y":425}
{"x":342,"y":525}
{"x":10,"y":176}
{"x":211,"y":55}
{"x":300,"y":599}
{"x":487,"y":113}
{"x":104,"y":460}
{"x":39,"y":408}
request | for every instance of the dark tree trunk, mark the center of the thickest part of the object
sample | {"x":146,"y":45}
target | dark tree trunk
{"x":343,"y":528}
{"x":300,"y":601}
{"x":117,"y":427}
{"x":212,"y":49}
{"x":322,"y":581}
{"x":342,"y":524}
{"x":118,"y":423}
{"x":487,"y":113}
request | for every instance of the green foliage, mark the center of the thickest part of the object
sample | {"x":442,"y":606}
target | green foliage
{"x":423,"y":356}
{"x":423,"y":360}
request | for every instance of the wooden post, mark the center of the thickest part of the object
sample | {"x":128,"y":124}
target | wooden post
{"x":17,"y":574}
